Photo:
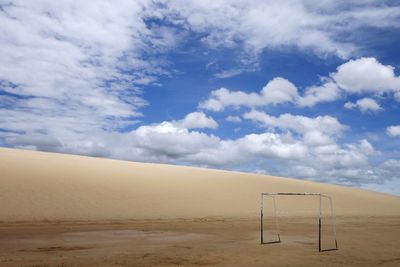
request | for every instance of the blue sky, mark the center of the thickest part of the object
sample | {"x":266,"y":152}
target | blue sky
{"x":292,"y":88}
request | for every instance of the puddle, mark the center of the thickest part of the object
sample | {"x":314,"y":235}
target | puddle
{"x":121,"y":235}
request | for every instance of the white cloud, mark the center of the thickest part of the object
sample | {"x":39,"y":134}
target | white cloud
{"x":74,"y":72}
{"x":167,"y":142}
{"x":314,"y":150}
{"x":364,"y":105}
{"x":228,"y":73}
{"x":279,"y":90}
{"x":391,"y":186}
{"x":256,"y":25}
{"x":70,"y":65}
{"x":326,"y":92}
{"x":41,"y":142}
{"x":397,"y":96}
{"x":366,"y":147}
{"x":393,"y":130}
{"x":272,"y":145}
{"x":223,"y":97}
{"x":366,"y":75}
{"x":82,"y":65}
{"x":306,"y":142}
{"x":350,"y":105}
{"x":326,"y":125}
{"x":276,"y":91}
{"x":317,"y":138}
{"x":197,"y":120}
{"x":360,"y":76}
{"x":392,"y":164}
{"x":387,"y":177}
{"x":233,"y":119}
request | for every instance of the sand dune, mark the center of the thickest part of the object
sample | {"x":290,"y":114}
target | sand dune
{"x":47,"y":186}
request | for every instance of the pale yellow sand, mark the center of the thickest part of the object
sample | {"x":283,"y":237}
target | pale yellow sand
{"x":47,"y":186}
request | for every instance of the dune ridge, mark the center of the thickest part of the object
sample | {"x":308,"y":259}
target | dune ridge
{"x":48,"y":186}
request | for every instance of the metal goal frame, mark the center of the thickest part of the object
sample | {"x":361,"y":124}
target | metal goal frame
{"x":272,"y":195}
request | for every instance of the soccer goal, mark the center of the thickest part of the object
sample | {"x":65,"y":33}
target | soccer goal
{"x":275,"y":219}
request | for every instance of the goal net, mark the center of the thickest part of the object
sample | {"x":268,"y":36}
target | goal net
{"x":275,"y":222}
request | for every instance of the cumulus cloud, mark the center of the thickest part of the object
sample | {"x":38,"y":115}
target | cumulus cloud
{"x":318,"y":129}
{"x":168,"y":142}
{"x":223,"y":97}
{"x":277,"y":91}
{"x":364,"y":105}
{"x":360,"y":76}
{"x":366,"y":75}
{"x":197,"y":120}
{"x":300,"y":124}
{"x":306,"y":146}
{"x":313,"y":150}
{"x":393,"y":130}
{"x":326,"y":92}
{"x":302,"y":143}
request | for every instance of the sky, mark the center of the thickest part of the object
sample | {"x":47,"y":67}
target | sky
{"x":302,"y":89}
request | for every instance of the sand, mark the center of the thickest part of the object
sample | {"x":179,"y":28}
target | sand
{"x":65,"y":210}
{"x":197,"y":242}
{"x":36,"y":186}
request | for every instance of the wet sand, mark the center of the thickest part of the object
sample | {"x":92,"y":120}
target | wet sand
{"x":363,"y":241}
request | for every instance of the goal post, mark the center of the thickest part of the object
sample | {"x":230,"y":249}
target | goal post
{"x":278,"y":237}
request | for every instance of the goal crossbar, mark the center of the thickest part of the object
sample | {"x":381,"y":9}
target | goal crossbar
{"x":272,"y":195}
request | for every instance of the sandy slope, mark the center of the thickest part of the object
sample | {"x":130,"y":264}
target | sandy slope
{"x":47,"y":186}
